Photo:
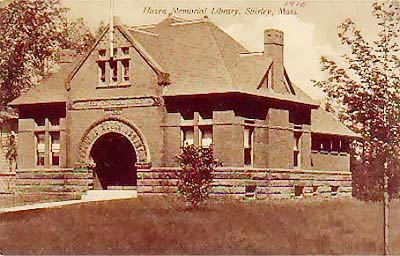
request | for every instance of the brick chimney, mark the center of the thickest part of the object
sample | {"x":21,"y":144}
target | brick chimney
{"x":273,"y":50}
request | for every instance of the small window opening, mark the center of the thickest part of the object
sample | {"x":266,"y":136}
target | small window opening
{"x":55,"y":148}
{"x":205,"y":136}
{"x":40,"y":121}
{"x":334,"y":190}
{"x":114,"y":70}
{"x":250,"y":191}
{"x":298,"y":191}
{"x":315,"y":190}
{"x":187,"y":136}
{"x":102,"y":53}
{"x":296,"y":150}
{"x":40,"y":149}
{"x":125,"y":50}
{"x":248,"y":145}
{"x":102,"y":71}
{"x":125,"y":64}
{"x":54,"y":121}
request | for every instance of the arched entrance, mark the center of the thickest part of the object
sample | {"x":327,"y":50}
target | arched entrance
{"x":115,"y":159}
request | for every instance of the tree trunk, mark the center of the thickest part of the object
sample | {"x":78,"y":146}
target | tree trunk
{"x":386,"y":216}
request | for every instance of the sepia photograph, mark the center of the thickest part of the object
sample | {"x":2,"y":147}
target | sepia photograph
{"x":207,"y":127}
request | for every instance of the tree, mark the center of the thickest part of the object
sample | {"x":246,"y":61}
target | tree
{"x":31,"y":34}
{"x":76,"y":36}
{"x":367,"y":93}
{"x":196,"y":173}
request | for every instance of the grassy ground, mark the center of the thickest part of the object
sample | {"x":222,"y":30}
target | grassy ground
{"x":11,"y":200}
{"x":160,"y":225}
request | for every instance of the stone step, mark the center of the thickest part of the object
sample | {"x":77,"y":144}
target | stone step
{"x":99,"y":195}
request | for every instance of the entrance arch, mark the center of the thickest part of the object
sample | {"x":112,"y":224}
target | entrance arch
{"x":116,"y":125}
{"x":115,"y":158}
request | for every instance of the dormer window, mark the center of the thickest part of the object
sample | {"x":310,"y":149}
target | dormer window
{"x":114,"y":71}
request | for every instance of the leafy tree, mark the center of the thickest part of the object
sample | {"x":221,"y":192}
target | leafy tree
{"x":31,"y":34}
{"x":196,"y":173}
{"x":76,"y":36}
{"x":366,"y":93}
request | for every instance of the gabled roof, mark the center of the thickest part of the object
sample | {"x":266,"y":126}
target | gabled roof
{"x":162,"y":76}
{"x":51,"y":90}
{"x":324,"y":122}
{"x":203,"y":59}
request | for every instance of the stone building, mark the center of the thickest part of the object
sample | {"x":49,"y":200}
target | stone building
{"x":116,"y":120}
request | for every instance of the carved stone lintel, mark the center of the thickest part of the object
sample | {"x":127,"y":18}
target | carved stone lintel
{"x":145,"y":101}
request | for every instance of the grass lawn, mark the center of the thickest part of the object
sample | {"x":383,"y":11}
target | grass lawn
{"x":157,"y":225}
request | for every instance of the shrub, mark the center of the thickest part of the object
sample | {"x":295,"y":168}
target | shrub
{"x":196,"y":173}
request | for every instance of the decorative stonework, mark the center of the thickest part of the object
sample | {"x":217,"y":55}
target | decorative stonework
{"x":116,"y":125}
{"x":149,"y":101}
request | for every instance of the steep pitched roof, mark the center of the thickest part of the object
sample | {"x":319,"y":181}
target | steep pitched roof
{"x":323,"y":122}
{"x":51,"y":90}
{"x":203,"y":59}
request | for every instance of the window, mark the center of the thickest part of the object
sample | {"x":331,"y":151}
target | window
{"x":102,"y":53}
{"x":334,"y":190}
{"x":297,"y":150}
{"x":248,"y":145}
{"x":125,"y":50}
{"x":102,"y":71}
{"x":55,"y":148}
{"x":114,"y":70}
{"x":125,"y":64}
{"x":298,"y":191}
{"x":205,"y":136}
{"x":187,"y":136}
{"x":40,"y":148}
{"x":54,"y":121}
{"x":250,"y":191}
{"x":40,"y":121}
{"x":47,"y":142}
{"x":344,"y":145}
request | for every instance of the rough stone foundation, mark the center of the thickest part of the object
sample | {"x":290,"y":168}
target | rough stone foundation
{"x":70,"y":183}
{"x":256,"y":183}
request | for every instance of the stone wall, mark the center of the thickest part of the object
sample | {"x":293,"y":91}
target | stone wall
{"x":257,"y":183}
{"x":53,"y":181}
{"x":7,"y":183}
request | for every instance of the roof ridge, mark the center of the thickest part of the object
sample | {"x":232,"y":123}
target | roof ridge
{"x":220,"y":53}
{"x":143,"y":31}
{"x":189,"y":22}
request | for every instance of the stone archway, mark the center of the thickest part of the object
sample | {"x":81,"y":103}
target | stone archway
{"x":114,"y":125}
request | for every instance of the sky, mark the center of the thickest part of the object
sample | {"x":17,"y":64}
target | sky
{"x":309,"y":26}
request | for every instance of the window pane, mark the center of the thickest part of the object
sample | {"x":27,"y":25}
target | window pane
{"x":55,"y":148}
{"x":247,"y":156}
{"x":40,"y":149}
{"x":125,"y":64}
{"x":54,"y":121}
{"x":40,"y":121}
{"x":206,"y":136}
{"x":114,"y":70}
{"x":102,"y":71}
{"x":187,"y":136}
